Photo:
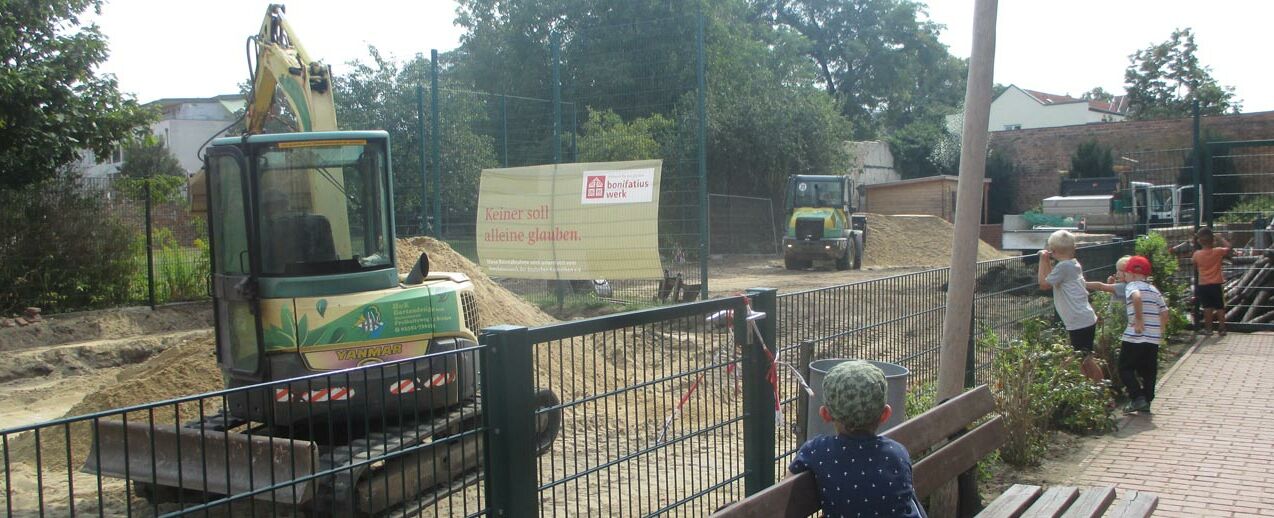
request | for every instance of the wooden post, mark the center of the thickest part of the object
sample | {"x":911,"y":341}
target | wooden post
{"x":964,"y":248}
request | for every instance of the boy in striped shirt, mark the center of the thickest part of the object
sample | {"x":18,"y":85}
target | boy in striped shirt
{"x":1139,"y":354}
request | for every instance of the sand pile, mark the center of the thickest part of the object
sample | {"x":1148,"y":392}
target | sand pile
{"x":496,"y":305}
{"x":913,"y":241}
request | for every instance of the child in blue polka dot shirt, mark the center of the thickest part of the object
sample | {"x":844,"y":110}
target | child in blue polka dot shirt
{"x":859,"y":473}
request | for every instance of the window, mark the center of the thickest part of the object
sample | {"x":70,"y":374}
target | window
{"x":1010,"y":127}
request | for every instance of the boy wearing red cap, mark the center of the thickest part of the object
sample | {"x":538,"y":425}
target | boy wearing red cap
{"x":1139,"y":354}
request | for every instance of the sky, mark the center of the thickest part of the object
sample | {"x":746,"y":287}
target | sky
{"x":163,"y":48}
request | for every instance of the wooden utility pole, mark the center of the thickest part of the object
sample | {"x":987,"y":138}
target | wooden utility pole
{"x":964,"y":246}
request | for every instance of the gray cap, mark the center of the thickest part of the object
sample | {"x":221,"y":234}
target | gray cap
{"x":854,"y":392}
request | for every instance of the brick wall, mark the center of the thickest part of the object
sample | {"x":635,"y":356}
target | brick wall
{"x":1040,"y":153}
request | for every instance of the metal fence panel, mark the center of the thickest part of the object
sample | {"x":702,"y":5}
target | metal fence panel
{"x":652,"y":413}
{"x":1240,"y":205}
{"x":307,"y":449}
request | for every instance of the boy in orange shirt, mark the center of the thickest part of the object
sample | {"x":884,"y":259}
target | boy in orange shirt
{"x":1208,"y":262}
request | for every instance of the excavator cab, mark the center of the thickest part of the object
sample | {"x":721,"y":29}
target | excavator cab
{"x":293,"y":215}
{"x":304,"y":277}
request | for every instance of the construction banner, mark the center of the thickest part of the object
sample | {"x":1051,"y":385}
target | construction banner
{"x":571,"y":221}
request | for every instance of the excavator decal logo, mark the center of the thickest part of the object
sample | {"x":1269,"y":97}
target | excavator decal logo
{"x":370,"y":322}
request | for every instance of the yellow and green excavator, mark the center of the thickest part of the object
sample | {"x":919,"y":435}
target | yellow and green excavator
{"x":304,"y":282}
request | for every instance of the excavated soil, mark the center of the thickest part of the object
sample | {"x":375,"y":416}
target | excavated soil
{"x":496,"y":305}
{"x":106,"y":324}
{"x":894,"y":241}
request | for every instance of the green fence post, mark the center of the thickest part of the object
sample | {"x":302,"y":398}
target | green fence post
{"x":556,"y":42}
{"x":508,"y":406}
{"x":424,"y":160}
{"x":436,"y":138}
{"x":758,"y":394}
{"x":703,"y":159}
{"x":150,"y":252}
{"x":504,"y":128}
{"x":970,"y":368}
{"x":1197,"y":168}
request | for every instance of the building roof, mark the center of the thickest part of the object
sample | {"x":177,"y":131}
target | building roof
{"x":938,"y":178}
{"x":1117,"y":105}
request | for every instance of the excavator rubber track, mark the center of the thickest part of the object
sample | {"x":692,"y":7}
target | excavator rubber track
{"x":413,"y":464}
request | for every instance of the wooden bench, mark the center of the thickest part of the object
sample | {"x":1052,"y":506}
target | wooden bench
{"x":797,"y":496}
{"x":1026,"y":501}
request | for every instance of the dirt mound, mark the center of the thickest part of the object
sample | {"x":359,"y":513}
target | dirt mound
{"x":496,"y":305}
{"x":106,"y":324}
{"x":913,"y":241}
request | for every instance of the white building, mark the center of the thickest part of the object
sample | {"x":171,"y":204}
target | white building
{"x":873,"y":163}
{"x":1017,"y":108}
{"x":184,"y":125}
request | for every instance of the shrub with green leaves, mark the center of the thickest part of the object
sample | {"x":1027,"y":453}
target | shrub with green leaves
{"x":1250,"y":208}
{"x":1164,"y":266}
{"x":61,"y":251}
{"x":1038,"y":387}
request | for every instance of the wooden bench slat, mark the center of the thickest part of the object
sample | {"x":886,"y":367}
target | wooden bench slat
{"x":796,"y":494}
{"x":957,"y":457}
{"x":1012,"y":502}
{"x":1140,"y":504}
{"x":921,"y":432}
{"x":1092,"y":502}
{"x":1053,"y":502}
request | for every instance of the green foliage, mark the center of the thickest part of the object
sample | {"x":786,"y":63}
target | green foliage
{"x":1002,"y":172}
{"x":1164,"y":79}
{"x":1164,"y":266}
{"x":381,"y":93}
{"x":1038,"y":387}
{"x":163,"y":189}
{"x":1092,"y":160}
{"x":60,"y":250}
{"x":1252,"y":207}
{"x":605,"y":137}
{"x":881,"y":58}
{"x":52,"y":103}
{"x":921,"y":399}
{"x":181,"y":272}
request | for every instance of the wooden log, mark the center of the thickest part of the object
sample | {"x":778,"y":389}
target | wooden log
{"x":1258,"y":281}
{"x":1258,"y":305}
{"x":1232,"y":315}
{"x":1267,"y":317}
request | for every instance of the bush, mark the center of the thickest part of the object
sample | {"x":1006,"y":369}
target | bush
{"x":1038,"y":387}
{"x":1249,"y":209}
{"x":1164,"y":266}
{"x":60,"y":251}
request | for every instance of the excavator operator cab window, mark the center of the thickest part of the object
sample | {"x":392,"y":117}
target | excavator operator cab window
{"x":323,"y":207}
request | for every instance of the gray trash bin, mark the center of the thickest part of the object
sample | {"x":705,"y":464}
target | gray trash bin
{"x":895,"y":394}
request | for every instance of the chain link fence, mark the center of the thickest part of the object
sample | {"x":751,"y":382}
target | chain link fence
{"x":88,"y":243}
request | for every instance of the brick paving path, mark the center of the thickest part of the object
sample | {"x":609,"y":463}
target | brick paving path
{"x":1208,"y":448}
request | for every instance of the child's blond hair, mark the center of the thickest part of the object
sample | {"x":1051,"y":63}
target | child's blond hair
{"x":1122,"y":263}
{"x":1062,"y":240}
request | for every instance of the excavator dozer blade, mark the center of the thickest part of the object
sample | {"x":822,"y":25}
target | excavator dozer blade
{"x":219,"y":462}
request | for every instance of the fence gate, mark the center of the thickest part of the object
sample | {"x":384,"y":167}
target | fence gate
{"x":1239,"y":200}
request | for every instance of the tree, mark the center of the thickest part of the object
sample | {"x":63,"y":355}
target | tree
{"x":605,"y":137}
{"x":1092,"y":160}
{"x":148,"y":161}
{"x":1164,"y":80}
{"x":381,"y":93}
{"x":1098,"y":94}
{"x":52,"y":104}
{"x":884,"y":64}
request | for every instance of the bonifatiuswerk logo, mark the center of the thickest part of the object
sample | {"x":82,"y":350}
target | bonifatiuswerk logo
{"x":596,"y":187}
{"x":370,"y":321}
